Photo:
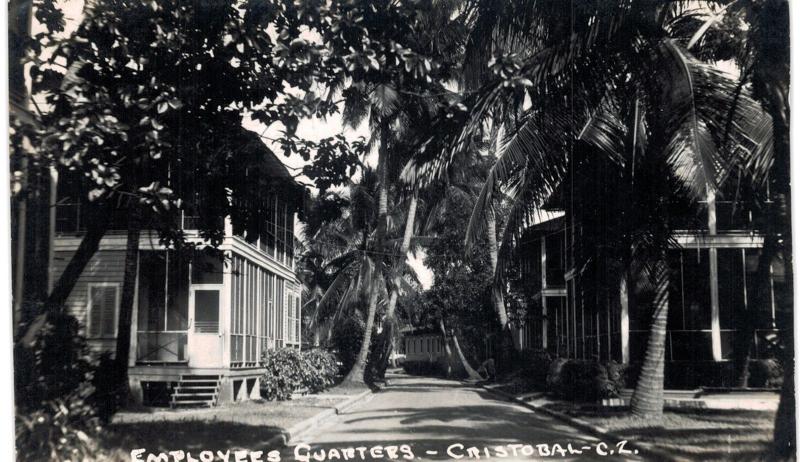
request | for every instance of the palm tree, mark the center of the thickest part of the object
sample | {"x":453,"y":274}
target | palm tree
{"x":341,"y":266}
{"x":617,"y":78}
{"x":392,"y":93}
{"x":765,"y":64}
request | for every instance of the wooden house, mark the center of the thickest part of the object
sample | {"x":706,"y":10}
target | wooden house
{"x":200,"y":324}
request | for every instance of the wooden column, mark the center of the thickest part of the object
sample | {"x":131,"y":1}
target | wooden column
{"x":713,"y":278}
{"x":624,"y":327}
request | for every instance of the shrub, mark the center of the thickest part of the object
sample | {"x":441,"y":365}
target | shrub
{"x":428,"y":368}
{"x":536,"y":365}
{"x":765,"y":373}
{"x":289,"y":370}
{"x":282,"y":377}
{"x":586,"y":381}
{"x":62,"y":429}
{"x":322,"y":368}
{"x":554,"y":373}
{"x":56,"y":401}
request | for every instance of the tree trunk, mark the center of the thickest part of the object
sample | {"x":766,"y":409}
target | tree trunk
{"x":126,"y":306}
{"x":383,"y":186}
{"x":648,"y":396}
{"x":497,"y":292}
{"x":471,"y":373}
{"x":97,"y":227}
{"x":389,"y":330}
{"x":447,"y":351}
{"x":785,"y":439}
{"x":316,"y":337}
{"x":356,"y":374}
{"x":746,"y":319}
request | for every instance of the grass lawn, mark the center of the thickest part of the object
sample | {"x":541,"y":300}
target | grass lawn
{"x":243,"y":425}
{"x":702,"y":434}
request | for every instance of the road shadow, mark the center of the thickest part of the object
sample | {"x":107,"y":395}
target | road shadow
{"x":190,"y":435}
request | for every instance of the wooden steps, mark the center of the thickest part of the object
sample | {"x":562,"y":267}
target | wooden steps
{"x":196,"y":391}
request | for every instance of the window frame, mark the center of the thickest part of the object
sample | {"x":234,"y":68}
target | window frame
{"x":89,"y":306}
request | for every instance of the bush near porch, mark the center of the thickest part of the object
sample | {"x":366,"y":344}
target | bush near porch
{"x":290,"y":371}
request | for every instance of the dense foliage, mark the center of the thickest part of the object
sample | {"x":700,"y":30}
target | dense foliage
{"x":427,"y":368}
{"x":460,"y":295}
{"x":57,"y":404}
{"x":289,"y":370}
{"x":585,"y":381}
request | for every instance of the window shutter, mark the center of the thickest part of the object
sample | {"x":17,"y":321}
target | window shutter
{"x":103,"y":311}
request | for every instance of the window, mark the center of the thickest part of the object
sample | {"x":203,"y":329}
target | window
{"x":297,"y":318}
{"x":206,"y":311}
{"x":103,"y":307}
{"x":268,"y":236}
{"x":290,"y":319}
{"x":289,"y":231}
{"x":206,"y":269}
{"x":555,"y":260}
{"x":280,"y":231}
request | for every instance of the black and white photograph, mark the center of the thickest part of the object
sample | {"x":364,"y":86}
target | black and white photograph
{"x":393,"y":230}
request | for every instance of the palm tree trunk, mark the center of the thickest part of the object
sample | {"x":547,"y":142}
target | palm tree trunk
{"x":471,"y":373}
{"x":126,"y":305}
{"x":447,"y":351}
{"x":648,"y":396}
{"x":389,"y":320}
{"x":383,"y":187}
{"x":356,"y":374}
{"x":784,"y":436}
{"x":497,"y":293}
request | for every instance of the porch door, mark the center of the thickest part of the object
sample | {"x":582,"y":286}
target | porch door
{"x":205,"y":336}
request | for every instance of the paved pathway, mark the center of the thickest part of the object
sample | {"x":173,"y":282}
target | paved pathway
{"x":435,"y":419}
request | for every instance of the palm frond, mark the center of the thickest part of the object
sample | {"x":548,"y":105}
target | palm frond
{"x":536,"y":155}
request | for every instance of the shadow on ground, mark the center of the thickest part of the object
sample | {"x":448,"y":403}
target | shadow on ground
{"x":194,"y":436}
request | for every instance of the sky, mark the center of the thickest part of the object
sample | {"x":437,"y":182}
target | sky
{"x":316,"y":129}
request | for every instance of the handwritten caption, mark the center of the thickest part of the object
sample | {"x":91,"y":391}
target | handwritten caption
{"x":455,"y":451}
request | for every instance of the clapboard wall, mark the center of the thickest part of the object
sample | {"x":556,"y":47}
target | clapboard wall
{"x":106,"y":266}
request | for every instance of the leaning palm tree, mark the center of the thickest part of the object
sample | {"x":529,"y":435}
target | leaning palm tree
{"x":340,"y":265}
{"x":618,"y":79}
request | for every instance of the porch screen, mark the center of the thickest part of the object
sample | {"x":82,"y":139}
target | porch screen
{"x":163,"y":292}
{"x":163,"y":307}
{"x":251,"y":294}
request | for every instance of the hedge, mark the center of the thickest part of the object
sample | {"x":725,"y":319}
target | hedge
{"x":585,"y":381}
{"x":289,"y":370}
{"x":427,"y":368}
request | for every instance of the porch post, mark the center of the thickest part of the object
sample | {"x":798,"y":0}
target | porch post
{"x":624,"y":327}
{"x":716,"y":339}
{"x":544,"y":298}
{"x":225,"y":308}
{"x":132,"y":356}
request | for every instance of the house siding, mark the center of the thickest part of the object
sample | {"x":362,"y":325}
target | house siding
{"x":106,"y":266}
